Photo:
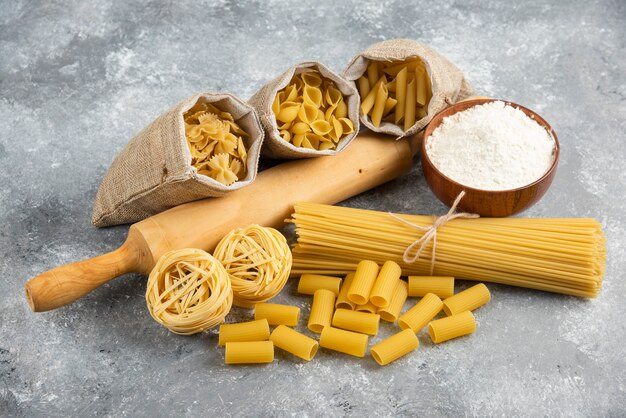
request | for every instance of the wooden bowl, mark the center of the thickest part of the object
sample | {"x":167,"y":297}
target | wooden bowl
{"x":485,"y":202}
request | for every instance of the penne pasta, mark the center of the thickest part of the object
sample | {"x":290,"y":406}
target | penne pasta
{"x":409,"y":105}
{"x":379,"y":104}
{"x":400,"y":95}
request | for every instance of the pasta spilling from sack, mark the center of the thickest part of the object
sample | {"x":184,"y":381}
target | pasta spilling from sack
{"x":311,"y":112}
{"x":556,"y":255}
{"x":395,"y":92}
{"x":216,"y":143}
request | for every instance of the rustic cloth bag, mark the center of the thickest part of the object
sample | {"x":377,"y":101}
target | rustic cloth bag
{"x":154,"y":172}
{"x":276,"y":147}
{"x":448,"y":83}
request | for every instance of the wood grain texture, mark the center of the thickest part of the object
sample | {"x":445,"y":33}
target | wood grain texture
{"x":485,"y":202}
{"x":371,"y":160}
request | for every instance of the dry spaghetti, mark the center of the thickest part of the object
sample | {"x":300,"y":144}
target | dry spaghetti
{"x":556,"y":255}
{"x":258,"y":261}
{"x":188,"y":291}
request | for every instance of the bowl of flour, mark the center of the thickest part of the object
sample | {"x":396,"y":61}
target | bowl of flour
{"x":503,"y":155}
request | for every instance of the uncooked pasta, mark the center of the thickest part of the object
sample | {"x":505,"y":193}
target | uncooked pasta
{"x":556,"y":255}
{"x":258,"y":261}
{"x":188,"y":291}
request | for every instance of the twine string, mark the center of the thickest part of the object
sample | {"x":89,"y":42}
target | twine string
{"x":430,"y":232}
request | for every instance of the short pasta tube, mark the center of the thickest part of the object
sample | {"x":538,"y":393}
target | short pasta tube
{"x":277,"y":314}
{"x":293,"y":342}
{"x":450,"y":327}
{"x":346,"y":342}
{"x":258,"y":330}
{"x":467,"y":300}
{"x":363,"y":322}
{"x":368,"y":307}
{"x":321,"y":310}
{"x":439,"y":285}
{"x":391,"y":312}
{"x":419,"y":315}
{"x":385,"y":284}
{"x":342,"y":299}
{"x":394,"y":347}
{"x":249,"y":352}
{"x":364,"y":278}
{"x":309,"y":283}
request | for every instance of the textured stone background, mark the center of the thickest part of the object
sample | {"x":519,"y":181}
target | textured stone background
{"x":79,"y":78}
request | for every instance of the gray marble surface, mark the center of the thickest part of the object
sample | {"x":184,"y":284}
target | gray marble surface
{"x":79,"y":78}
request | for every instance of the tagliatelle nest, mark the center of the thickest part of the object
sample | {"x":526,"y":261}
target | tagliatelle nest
{"x":258,"y":261}
{"x":189,"y":291}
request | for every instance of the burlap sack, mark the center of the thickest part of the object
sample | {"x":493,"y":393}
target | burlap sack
{"x":154,"y":172}
{"x":448,"y":83}
{"x":276,"y":147}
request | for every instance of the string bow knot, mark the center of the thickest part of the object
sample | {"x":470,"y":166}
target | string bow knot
{"x":430,"y":232}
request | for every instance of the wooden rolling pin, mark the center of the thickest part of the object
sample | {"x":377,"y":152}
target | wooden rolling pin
{"x":369,"y":161}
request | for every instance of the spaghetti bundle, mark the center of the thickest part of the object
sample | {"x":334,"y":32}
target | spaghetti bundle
{"x":556,"y":255}
{"x":258,"y":261}
{"x":188,"y":291}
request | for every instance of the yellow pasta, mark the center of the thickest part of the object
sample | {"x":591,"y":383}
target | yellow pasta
{"x":364,"y":278}
{"x":277,"y":314}
{"x":399,"y":94}
{"x":419,"y":315}
{"x":391,"y":312}
{"x":563,"y":255}
{"x":450,"y":327}
{"x":249,"y":352}
{"x":309,"y":283}
{"x":188,"y":291}
{"x":368,"y":307}
{"x":258,"y":330}
{"x":347,"y":342}
{"x":385,"y":284}
{"x":216,"y":143}
{"x":321,"y":310}
{"x":467,"y":300}
{"x":394,"y":347}
{"x":379,"y":104}
{"x":442,"y":286}
{"x":294,"y":342}
{"x":311,"y":112}
{"x":363,"y":322}
{"x":342,"y":301}
{"x":258,"y":261}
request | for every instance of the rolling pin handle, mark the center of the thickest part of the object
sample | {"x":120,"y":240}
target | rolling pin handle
{"x":65,"y":284}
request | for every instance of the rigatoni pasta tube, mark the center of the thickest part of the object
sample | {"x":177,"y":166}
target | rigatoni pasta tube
{"x":385,"y":284}
{"x":368,"y":307}
{"x":450,"y":327}
{"x":441,"y":286}
{"x":258,"y":330}
{"x":293,"y":342}
{"x":395,"y":347}
{"x":342,"y":299}
{"x":363,"y":322}
{"x":321,"y":310}
{"x":309,"y":283}
{"x":364,"y":278}
{"x":419,"y":315}
{"x":467,"y":300}
{"x":347,"y":342}
{"x":277,"y":314}
{"x":249,"y":352}
{"x":391,"y":312}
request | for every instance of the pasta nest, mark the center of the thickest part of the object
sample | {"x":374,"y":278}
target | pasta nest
{"x":189,"y":291}
{"x":258,"y":261}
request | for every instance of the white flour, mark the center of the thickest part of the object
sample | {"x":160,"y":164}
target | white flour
{"x":492,"y":147}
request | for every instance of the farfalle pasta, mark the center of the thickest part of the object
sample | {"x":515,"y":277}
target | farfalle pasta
{"x":216,"y":143}
{"x":403,"y":84}
{"x":205,"y":146}
{"x":306,"y":112}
